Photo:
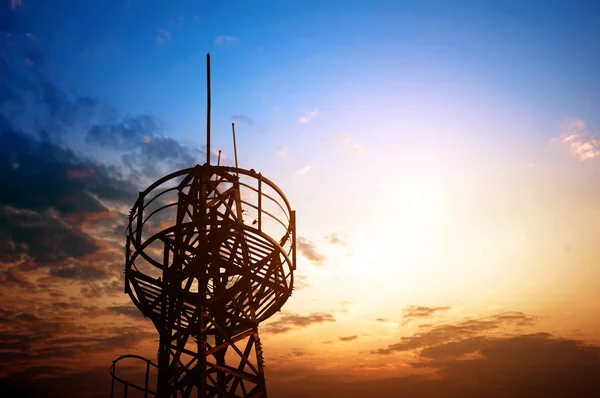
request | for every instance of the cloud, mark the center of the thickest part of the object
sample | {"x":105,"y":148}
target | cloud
{"x":307,"y":249}
{"x":300,"y":281}
{"x":575,"y":136}
{"x":146,"y":149}
{"x":163,"y":36}
{"x":534,"y":365}
{"x":127,"y":310}
{"x":282,"y":151}
{"x":15,"y":3}
{"x":466,"y":329}
{"x":41,"y":237}
{"x":242,"y":119}
{"x":304,"y":169}
{"x":413,"y":312}
{"x":82,"y":272}
{"x":308,"y":116}
{"x":223,"y":39}
{"x":290,"y":321}
{"x":348,"y":338}
{"x":348,"y":144}
{"x":335,"y":239}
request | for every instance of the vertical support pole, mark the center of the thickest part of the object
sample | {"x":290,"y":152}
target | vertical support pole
{"x":112,"y":384}
{"x":147,"y":376}
{"x":127,"y":255}
{"x":293,"y":221}
{"x":204,"y":188}
{"x":260,"y":202}
{"x":164,"y":349}
{"x":140,"y":219}
{"x":208,"y":108}
{"x":234,"y":145}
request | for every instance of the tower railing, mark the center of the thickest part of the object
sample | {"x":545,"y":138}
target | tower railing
{"x":128,"y":384}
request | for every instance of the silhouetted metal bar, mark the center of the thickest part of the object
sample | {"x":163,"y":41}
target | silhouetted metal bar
{"x":208,"y":108}
{"x":112,"y":384}
{"x":293,"y":222}
{"x":147,"y":376}
{"x":219,"y":158}
{"x":259,"y":202}
{"x":138,"y":231}
{"x":234,"y":145}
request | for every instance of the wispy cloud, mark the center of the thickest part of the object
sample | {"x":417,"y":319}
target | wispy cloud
{"x":348,"y":338}
{"x":163,"y":36}
{"x":290,"y":321}
{"x":304,"y":169}
{"x":467,"y":329}
{"x":348,"y":144}
{"x":309,"y":251}
{"x":283,"y":150}
{"x":308,"y":116}
{"x":576,"y":137}
{"x":335,"y":239}
{"x":242,"y":119}
{"x":223,"y":39}
{"x":15,"y":3}
{"x":413,"y":311}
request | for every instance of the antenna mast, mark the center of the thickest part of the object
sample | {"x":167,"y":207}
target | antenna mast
{"x":234,"y":144}
{"x":208,"y":108}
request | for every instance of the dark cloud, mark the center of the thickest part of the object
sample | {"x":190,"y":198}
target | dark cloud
{"x":146,"y":149}
{"x":127,"y":310}
{"x":413,"y":312}
{"x":56,"y":177}
{"x":242,"y":119}
{"x":12,"y":278}
{"x":348,"y":338}
{"x":522,"y":366}
{"x":82,"y":272}
{"x":308,"y":250}
{"x":290,"y":321}
{"x":95,"y":290}
{"x":43,"y":238}
{"x":466,"y":329}
{"x":382,"y":320}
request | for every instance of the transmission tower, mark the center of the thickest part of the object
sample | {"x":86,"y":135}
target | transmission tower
{"x":210,"y":254}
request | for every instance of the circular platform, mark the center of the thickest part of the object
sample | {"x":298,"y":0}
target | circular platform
{"x":210,"y":247}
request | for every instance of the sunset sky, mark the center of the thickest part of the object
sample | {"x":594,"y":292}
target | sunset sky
{"x":443,"y":158}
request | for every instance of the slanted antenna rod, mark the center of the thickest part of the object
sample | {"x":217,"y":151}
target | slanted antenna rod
{"x":234,"y":144}
{"x":219,"y":158}
{"x":208,"y":108}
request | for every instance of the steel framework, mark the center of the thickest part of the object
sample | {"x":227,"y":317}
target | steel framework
{"x":210,"y":254}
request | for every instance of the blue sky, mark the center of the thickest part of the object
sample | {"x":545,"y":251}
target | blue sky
{"x":372,"y":58}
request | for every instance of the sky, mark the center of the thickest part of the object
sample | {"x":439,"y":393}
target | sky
{"x":443,"y":158}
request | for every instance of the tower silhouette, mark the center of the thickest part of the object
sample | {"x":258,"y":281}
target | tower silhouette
{"x":210,"y":254}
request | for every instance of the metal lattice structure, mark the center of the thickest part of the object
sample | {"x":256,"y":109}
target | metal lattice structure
{"x":210,"y":254}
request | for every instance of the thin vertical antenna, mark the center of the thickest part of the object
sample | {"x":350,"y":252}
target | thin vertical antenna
{"x":234,"y":145}
{"x":219,"y":158}
{"x":208,"y":108}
